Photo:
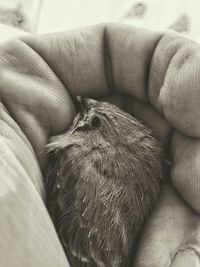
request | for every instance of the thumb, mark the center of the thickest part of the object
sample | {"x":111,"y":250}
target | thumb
{"x":170,"y":237}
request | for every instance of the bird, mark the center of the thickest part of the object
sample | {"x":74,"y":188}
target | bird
{"x":102,"y":180}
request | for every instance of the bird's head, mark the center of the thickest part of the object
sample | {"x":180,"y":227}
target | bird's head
{"x":100,"y":123}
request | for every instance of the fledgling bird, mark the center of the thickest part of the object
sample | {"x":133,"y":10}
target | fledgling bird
{"x":103,"y":179}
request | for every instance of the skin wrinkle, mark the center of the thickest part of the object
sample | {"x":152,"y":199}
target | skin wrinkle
{"x":24,"y":97}
{"x":106,"y":49}
{"x":60,"y":55}
{"x":188,"y":108}
{"x":77,"y":46}
{"x":176,"y":66}
{"x":38,"y":117}
{"x":150,"y":66}
{"x":150,"y":74}
{"x":70,"y":54}
{"x":15,"y":58}
{"x":108,"y":62}
{"x":185,"y":158}
{"x":183,"y":61}
{"x":129,"y":75}
{"x":27,"y":98}
{"x":24,"y":108}
{"x":52,"y":71}
{"x":25,"y":128}
{"x":107,"y":58}
{"x":104,"y":59}
{"x":71,"y":49}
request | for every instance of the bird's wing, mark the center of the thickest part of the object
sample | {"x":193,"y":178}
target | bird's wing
{"x":51,"y":182}
{"x":96,"y":230}
{"x":86,"y":214}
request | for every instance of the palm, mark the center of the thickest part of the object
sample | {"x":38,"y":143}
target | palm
{"x":35,"y":74}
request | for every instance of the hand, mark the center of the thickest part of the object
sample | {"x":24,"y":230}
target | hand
{"x":148,"y":74}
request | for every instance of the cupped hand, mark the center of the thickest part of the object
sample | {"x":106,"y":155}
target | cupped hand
{"x":154,"y":76}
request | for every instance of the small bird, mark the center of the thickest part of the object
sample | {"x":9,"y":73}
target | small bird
{"x":103,"y":179}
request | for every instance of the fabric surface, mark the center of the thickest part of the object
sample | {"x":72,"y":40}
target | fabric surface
{"x":152,"y":75}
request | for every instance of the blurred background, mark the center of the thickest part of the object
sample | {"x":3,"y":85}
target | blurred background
{"x":43,"y":16}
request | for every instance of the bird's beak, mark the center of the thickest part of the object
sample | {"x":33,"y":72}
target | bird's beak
{"x":80,"y":104}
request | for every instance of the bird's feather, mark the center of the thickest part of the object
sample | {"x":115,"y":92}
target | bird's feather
{"x":101,"y":185}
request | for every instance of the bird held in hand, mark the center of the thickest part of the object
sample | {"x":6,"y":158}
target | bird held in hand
{"x":103,"y":179}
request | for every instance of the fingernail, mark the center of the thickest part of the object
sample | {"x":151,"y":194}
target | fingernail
{"x":186,"y":258}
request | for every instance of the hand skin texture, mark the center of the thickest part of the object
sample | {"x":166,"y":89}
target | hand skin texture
{"x":152,"y":75}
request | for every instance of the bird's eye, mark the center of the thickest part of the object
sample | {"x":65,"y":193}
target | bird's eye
{"x":95,"y":122}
